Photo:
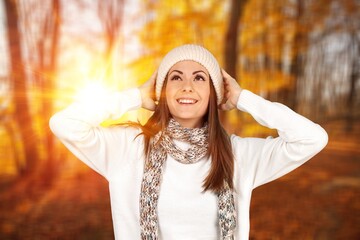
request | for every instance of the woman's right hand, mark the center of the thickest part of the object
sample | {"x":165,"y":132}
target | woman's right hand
{"x":147,"y":91}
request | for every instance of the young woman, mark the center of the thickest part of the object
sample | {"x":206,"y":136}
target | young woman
{"x":180,"y":176}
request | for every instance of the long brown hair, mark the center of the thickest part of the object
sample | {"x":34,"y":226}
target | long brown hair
{"x":222,"y":159}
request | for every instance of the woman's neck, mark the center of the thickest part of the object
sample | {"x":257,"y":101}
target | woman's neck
{"x":190,"y":123}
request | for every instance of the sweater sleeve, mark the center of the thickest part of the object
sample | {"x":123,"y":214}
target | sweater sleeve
{"x":264,"y":160}
{"x":78,"y":128}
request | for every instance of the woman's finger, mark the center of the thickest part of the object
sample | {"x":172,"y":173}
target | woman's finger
{"x":225,"y":74}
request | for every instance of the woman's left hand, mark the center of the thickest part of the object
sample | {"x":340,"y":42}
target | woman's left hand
{"x":147,"y":91}
{"x":232,"y":92}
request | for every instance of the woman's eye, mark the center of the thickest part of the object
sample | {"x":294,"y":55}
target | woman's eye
{"x":199,"y":78}
{"x":176,"y":78}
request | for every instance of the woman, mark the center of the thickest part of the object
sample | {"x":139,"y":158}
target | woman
{"x":180,"y":176}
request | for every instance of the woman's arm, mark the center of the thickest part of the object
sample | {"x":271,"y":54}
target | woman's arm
{"x":103,"y":149}
{"x":267,"y":159}
{"x":78,"y":128}
{"x":264,"y":160}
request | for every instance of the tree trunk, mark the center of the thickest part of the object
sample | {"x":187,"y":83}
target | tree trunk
{"x":18,"y":77}
{"x":231,"y":46}
{"x":354,"y":77}
{"x":48,"y":87}
{"x":298,"y":46}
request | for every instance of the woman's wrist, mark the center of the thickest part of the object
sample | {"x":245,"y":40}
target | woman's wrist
{"x":237,"y":96}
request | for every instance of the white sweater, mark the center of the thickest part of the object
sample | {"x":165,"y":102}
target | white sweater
{"x":184,"y":210}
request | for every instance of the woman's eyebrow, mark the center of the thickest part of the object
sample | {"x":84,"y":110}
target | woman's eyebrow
{"x":176,"y":71}
{"x":199,"y":71}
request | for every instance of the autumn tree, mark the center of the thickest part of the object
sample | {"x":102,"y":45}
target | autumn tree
{"x":18,"y":76}
{"x":41,"y":23}
{"x":231,"y":51}
{"x":329,"y":82}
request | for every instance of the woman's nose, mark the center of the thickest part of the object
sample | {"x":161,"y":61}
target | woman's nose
{"x":187,"y":86}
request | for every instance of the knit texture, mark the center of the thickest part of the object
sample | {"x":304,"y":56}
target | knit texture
{"x":194,"y":53}
{"x":162,"y":144}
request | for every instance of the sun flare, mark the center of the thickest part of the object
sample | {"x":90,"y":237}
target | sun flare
{"x":93,"y":89}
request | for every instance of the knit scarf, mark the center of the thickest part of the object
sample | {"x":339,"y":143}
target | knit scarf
{"x":161,"y":145}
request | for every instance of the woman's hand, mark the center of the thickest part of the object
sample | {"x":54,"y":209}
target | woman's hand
{"x":147,"y":91}
{"x":232,"y":92}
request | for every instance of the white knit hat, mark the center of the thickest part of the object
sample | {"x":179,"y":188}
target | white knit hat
{"x":195,"y":53}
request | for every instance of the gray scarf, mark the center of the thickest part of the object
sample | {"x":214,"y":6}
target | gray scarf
{"x":161,"y":145}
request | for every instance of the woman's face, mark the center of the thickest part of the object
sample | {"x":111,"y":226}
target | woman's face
{"x":188,"y":92}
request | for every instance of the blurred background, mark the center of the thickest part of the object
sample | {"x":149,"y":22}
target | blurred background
{"x":302,"y":53}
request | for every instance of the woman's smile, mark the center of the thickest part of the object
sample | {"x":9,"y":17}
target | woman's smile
{"x":186,"y":101}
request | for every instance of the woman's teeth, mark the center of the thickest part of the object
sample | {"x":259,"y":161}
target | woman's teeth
{"x":186,"y":101}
